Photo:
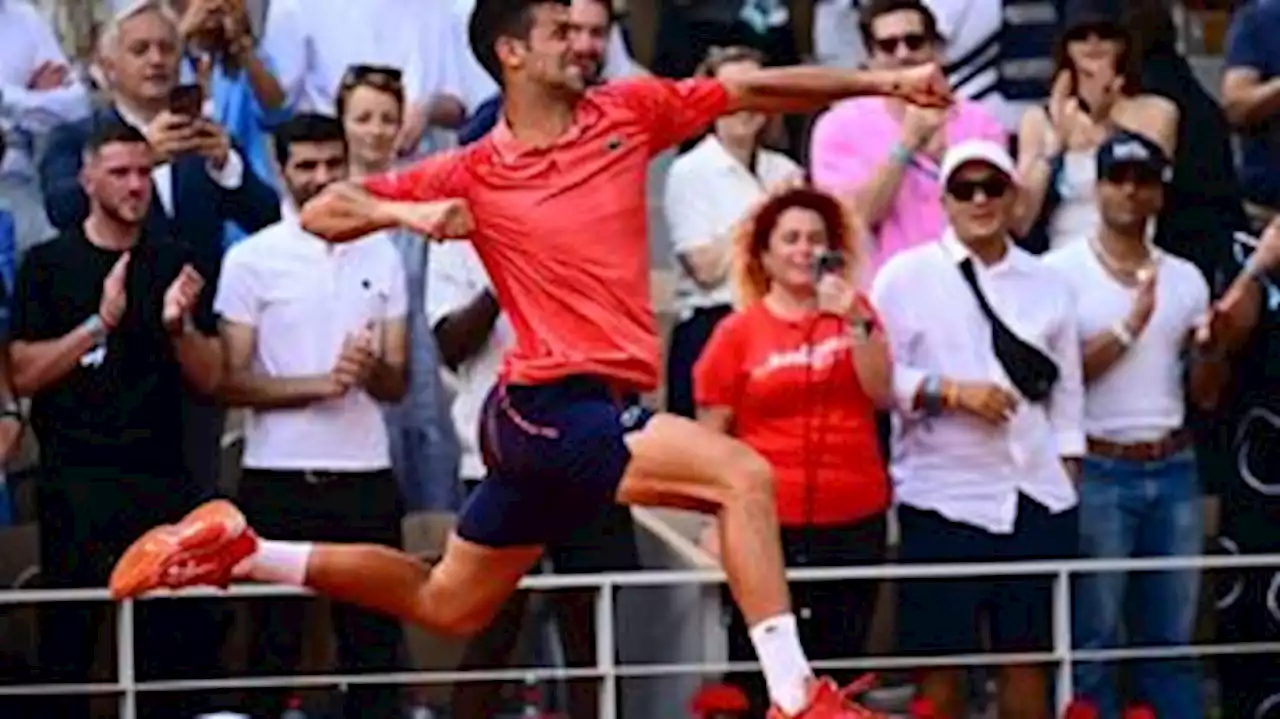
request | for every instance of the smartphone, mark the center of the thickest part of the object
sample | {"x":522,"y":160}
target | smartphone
{"x":829,"y":262}
{"x":187,"y":100}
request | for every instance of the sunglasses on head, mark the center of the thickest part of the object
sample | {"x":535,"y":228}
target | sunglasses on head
{"x":993,"y":187}
{"x":913,"y":41}
{"x":379,"y":76}
{"x":1137,"y":173}
{"x":1100,"y":30}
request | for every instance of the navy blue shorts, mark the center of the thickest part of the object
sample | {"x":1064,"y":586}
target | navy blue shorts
{"x":556,"y":455}
{"x":948,"y":616}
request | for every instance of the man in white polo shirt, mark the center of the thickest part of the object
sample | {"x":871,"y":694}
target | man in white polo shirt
{"x":472,"y":334}
{"x":314,"y":336}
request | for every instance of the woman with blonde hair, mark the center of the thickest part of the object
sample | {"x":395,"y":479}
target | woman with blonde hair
{"x":798,"y":371}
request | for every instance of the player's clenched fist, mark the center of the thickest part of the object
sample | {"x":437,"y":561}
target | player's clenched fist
{"x":441,"y":219}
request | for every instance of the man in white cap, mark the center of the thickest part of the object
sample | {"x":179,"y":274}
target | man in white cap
{"x":988,"y":436}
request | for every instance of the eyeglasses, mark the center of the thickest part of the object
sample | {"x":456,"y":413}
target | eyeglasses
{"x":992,"y":187}
{"x":913,"y":41}
{"x":1137,"y":173}
{"x":379,"y":76}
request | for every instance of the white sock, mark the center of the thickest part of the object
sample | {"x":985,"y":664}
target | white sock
{"x":280,"y":562}
{"x":786,"y":668}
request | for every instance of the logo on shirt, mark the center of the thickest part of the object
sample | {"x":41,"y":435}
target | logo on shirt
{"x":819,"y":356}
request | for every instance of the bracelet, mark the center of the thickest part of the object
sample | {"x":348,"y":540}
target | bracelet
{"x":932,"y":400}
{"x":1123,"y":335}
{"x":900,"y":153}
{"x":97,"y":329}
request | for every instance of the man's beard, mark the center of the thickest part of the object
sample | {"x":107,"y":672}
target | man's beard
{"x":592,"y":71}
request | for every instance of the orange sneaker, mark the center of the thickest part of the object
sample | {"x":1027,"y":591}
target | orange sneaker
{"x":828,"y":701}
{"x":202,"y":549}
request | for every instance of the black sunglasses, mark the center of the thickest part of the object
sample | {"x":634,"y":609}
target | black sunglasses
{"x":993,"y":187}
{"x":913,"y":41}
{"x":1137,"y":173}
{"x":379,"y":76}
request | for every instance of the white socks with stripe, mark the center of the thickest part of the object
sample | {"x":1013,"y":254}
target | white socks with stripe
{"x":279,"y":562}
{"x":786,"y":668}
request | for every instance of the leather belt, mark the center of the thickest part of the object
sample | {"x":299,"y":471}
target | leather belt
{"x":1154,"y":451}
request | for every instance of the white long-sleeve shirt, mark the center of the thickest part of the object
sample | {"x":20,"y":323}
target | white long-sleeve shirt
{"x":27,"y":41}
{"x":956,"y":464}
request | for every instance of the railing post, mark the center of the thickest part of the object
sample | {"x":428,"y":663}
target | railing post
{"x":1062,"y":644}
{"x":125,"y":666}
{"x":607,"y":650}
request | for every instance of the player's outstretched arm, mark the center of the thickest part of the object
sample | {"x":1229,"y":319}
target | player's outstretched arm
{"x":344,"y":212}
{"x":809,"y":88}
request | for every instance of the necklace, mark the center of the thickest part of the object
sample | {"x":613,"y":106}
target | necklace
{"x":1126,"y":273}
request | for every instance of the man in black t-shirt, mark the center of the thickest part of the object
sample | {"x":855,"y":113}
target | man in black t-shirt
{"x":107,"y":324}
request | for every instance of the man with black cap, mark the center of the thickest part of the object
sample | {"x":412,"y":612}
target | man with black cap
{"x":1146,"y":346}
{"x":988,"y":432}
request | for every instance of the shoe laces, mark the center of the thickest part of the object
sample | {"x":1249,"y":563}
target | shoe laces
{"x":859,"y":686}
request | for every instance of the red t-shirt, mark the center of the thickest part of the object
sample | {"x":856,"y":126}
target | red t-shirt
{"x":795,"y":397}
{"x":562,"y":230}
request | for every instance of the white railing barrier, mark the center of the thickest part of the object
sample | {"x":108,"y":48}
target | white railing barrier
{"x":608,"y":671}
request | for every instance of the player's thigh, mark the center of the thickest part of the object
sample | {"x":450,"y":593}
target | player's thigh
{"x":676,"y":462}
{"x":471,"y":582}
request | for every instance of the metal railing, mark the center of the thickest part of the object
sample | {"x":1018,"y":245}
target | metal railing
{"x":608,"y":671}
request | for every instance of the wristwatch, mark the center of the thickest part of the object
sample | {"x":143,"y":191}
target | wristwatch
{"x":931,"y":396}
{"x":97,"y":329}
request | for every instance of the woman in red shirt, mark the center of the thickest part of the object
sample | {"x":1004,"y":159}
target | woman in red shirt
{"x":798,"y":372}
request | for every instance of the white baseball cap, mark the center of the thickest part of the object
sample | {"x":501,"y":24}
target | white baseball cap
{"x":984,"y":151}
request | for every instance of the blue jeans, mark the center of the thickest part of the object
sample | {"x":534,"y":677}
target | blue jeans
{"x":1140,"y":509}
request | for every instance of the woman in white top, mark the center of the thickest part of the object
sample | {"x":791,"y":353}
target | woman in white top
{"x":709,"y":190}
{"x":1095,"y":91}
{"x":424,"y":450}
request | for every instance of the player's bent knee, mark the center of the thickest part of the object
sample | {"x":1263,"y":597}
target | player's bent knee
{"x":748,"y":476}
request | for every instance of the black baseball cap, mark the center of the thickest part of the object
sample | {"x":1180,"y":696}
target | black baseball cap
{"x":1130,"y":148}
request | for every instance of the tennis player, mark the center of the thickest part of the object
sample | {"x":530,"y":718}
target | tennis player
{"x":557,"y":193}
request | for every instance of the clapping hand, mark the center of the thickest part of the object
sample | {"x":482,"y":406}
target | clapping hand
{"x":355,"y":362}
{"x":49,"y":75}
{"x":180,"y":298}
{"x":111,"y":305}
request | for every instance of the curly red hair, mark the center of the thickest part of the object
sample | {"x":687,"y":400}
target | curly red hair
{"x":751,"y":238}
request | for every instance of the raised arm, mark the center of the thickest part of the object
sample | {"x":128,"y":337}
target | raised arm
{"x":809,"y":88}
{"x":419,"y":198}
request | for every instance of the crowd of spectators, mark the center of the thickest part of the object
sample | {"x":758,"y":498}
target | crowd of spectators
{"x":1049,"y":352}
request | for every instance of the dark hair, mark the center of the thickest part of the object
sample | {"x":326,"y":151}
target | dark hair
{"x":493,"y":20}
{"x":306,"y":127}
{"x":608,"y":8}
{"x":717,"y":57}
{"x":110,"y":132}
{"x":378,"y":77}
{"x":1126,"y":64}
{"x":875,"y":9}
{"x":1151,"y":26}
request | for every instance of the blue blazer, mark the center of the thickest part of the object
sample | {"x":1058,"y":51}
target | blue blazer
{"x":201,"y":206}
